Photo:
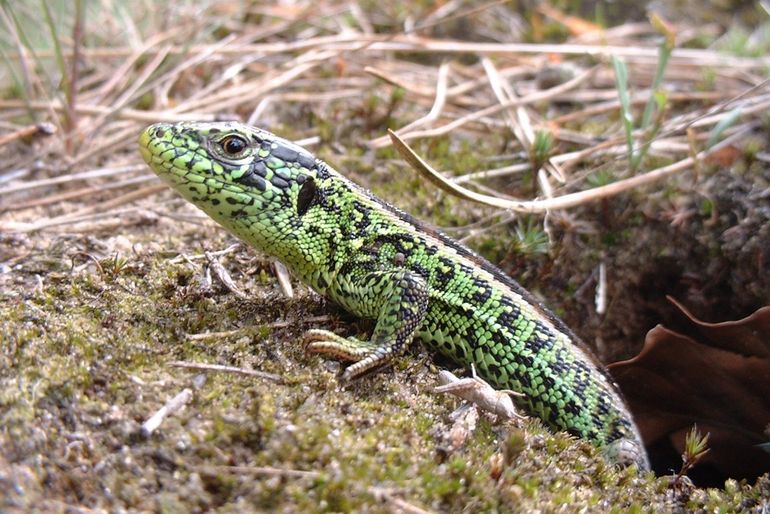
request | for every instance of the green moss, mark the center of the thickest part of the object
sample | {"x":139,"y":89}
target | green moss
{"x":101,"y":355}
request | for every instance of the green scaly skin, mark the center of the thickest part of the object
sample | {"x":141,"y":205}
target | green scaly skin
{"x":381,"y":264}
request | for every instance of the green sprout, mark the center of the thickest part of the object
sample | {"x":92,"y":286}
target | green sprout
{"x":542,"y":147}
{"x":695,"y":448}
{"x":652,"y":117}
{"x":531,"y":238}
{"x":113,"y":266}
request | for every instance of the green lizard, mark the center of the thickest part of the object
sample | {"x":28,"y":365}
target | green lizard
{"x":379,"y":263}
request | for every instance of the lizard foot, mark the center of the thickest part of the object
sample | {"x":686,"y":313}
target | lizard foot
{"x":365,"y":354}
{"x":329,"y":343}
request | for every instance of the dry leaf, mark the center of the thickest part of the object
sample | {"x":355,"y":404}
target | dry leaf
{"x":718,"y":377}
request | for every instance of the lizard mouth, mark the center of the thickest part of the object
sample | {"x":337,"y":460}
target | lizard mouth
{"x":153,"y":144}
{"x":146,"y":154}
{"x":148,"y":144}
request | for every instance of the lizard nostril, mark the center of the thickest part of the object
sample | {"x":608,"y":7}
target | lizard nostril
{"x":160,"y":133}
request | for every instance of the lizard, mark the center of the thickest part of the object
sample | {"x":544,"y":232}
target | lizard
{"x":379,"y":263}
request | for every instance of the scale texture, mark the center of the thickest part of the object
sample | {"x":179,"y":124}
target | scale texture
{"x":379,"y":263}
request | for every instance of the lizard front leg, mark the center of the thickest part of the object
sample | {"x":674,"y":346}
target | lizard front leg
{"x":398,"y":299}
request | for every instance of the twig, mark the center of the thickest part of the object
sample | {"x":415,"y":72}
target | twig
{"x":284,"y":279}
{"x":411,"y":43}
{"x":14,"y":226}
{"x":125,"y":114}
{"x":189,"y":258}
{"x":227,"y":369}
{"x":276,"y":324}
{"x":172,"y":406}
{"x":71,"y":117}
{"x":111,"y":145}
{"x":122,"y":75}
{"x":128,"y":94}
{"x":452,"y":93}
{"x":519,"y":122}
{"x":218,"y":335}
{"x":496,"y":172}
{"x":80,"y":193}
{"x":435,"y":111}
{"x":39,"y":129}
{"x":612,"y":104}
{"x":395,"y":502}
{"x":498,"y":107}
{"x":106,"y":206}
{"x":601,"y":290}
{"x":100,"y":172}
{"x":256,"y":470}
{"x":223,"y":275}
{"x":311,"y":319}
{"x":230,"y":97}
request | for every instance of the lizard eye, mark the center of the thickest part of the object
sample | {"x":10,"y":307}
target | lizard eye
{"x":233,"y":145}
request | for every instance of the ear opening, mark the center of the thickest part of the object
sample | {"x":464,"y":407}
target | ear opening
{"x":306,"y":196}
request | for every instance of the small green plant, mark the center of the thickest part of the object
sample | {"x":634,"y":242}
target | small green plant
{"x":695,"y":448}
{"x":600,"y":178}
{"x":716,"y":133}
{"x":744,"y":43}
{"x":542,"y":147}
{"x":532,"y":239}
{"x":652,"y":118}
{"x":113,"y":266}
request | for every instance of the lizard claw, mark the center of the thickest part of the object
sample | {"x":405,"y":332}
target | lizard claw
{"x":329,"y":343}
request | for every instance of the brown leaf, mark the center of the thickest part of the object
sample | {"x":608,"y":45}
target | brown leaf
{"x":749,"y":336}
{"x":718,"y":379}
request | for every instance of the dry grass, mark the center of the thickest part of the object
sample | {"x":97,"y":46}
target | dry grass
{"x":214,"y":62}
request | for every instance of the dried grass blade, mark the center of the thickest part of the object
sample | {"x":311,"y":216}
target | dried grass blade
{"x":125,"y":114}
{"x":100,"y":172}
{"x":80,"y":193}
{"x":559,"y":202}
{"x":494,"y":109}
{"x":435,"y":111}
{"x":520,"y":122}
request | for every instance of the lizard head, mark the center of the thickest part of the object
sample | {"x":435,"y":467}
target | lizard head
{"x":257,"y":185}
